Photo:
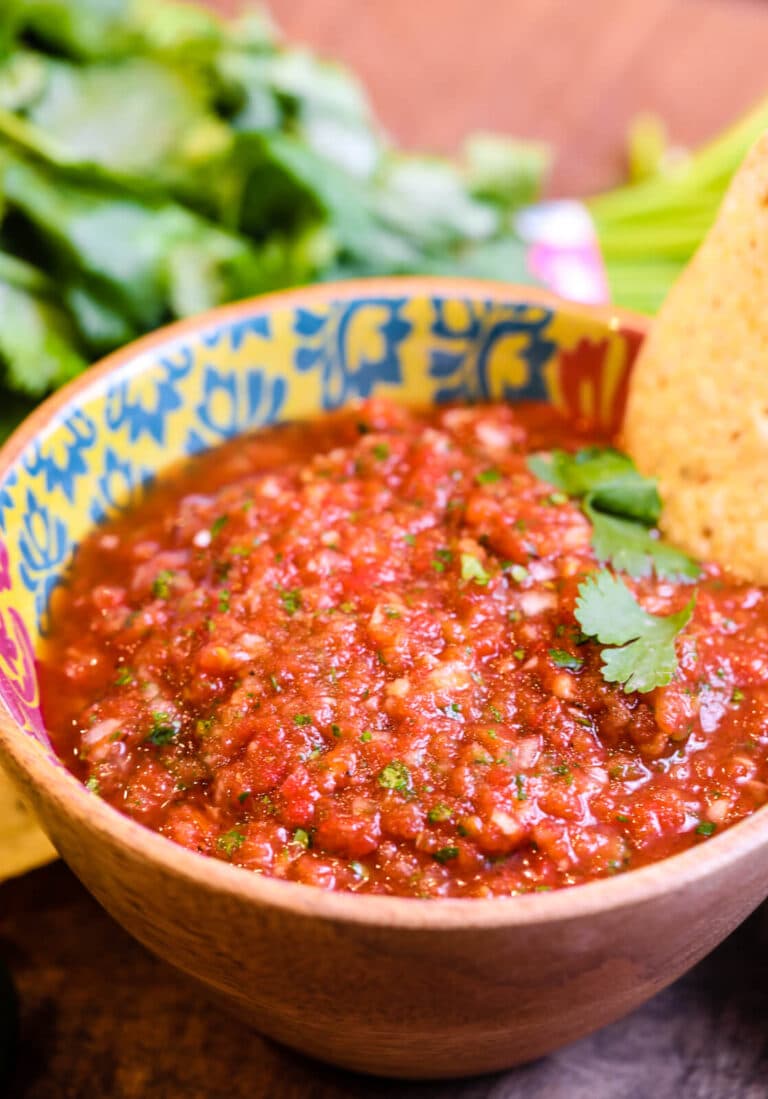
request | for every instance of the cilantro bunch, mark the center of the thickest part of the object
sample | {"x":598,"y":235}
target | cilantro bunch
{"x":156,"y":161}
{"x":623,"y":508}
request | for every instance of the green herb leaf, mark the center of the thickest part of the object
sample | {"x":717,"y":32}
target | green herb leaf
{"x":472,"y":569}
{"x":622,"y":506}
{"x":632,"y":548}
{"x":587,"y":469}
{"x":302,"y":837}
{"x":607,"y":610}
{"x":567,"y":660}
{"x":395,"y":776}
{"x":161,"y":585}
{"x":291,"y":599}
{"x":445,"y":854}
{"x":163,"y":729}
{"x":488,"y":477}
{"x":438,"y":814}
{"x":230,"y":842}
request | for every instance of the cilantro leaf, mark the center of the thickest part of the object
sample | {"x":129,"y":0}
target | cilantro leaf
{"x":644,"y":656}
{"x":37,"y":342}
{"x":472,"y":569}
{"x":623,"y":507}
{"x":564,"y":659}
{"x":630,"y":547}
{"x":157,"y":160}
{"x":583,"y":471}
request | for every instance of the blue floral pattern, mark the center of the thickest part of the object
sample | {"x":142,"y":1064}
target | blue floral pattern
{"x":44,"y":547}
{"x":129,"y":405}
{"x":353,"y":345}
{"x":460,"y":360}
{"x":62,"y":457}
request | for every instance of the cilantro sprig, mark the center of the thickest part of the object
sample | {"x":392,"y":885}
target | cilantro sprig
{"x":642,"y":654}
{"x":622,"y":506}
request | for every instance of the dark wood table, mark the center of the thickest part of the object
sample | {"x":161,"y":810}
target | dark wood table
{"x":101,"y":1018}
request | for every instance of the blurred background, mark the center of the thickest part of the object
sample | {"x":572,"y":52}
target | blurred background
{"x":571,"y":73}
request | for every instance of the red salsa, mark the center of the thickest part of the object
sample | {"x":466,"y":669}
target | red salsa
{"x":345,"y":653}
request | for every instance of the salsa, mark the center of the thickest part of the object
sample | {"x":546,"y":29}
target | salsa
{"x":345,"y":653}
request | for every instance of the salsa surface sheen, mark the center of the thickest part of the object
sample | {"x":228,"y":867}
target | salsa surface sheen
{"x":344,"y":653}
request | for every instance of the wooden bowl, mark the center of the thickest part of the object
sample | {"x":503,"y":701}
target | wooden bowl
{"x":403,"y":987}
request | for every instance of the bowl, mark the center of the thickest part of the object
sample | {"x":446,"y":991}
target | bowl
{"x":397,"y":986}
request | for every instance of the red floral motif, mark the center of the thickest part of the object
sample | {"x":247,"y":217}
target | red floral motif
{"x":594,"y":375}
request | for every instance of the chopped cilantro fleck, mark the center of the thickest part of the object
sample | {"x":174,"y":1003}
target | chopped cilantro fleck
{"x":302,"y":837}
{"x":161,"y":585}
{"x":564,"y":771}
{"x":290,"y":598}
{"x":381,"y":452}
{"x":336,"y":730}
{"x":488,"y":476}
{"x":218,"y":525}
{"x":244,"y":796}
{"x":438,"y":814}
{"x":93,"y":784}
{"x":366,"y":736}
{"x":496,"y":713}
{"x":520,"y":793}
{"x":359,"y":870}
{"x":519,"y":654}
{"x":567,"y":660}
{"x":738,"y":695}
{"x":224,"y":600}
{"x":410,"y":539}
{"x":163,"y":729}
{"x":230,"y":842}
{"x":705,"y":828}
{"x":124,"y":676}
{"x":302,"y":719}
{"x":622,"y":818}
{"x":445,"y":854}
{"x":275,"y":684}
{"x":395,"y":776}
{"x":518,"y":573}
{"x":472,"y":569}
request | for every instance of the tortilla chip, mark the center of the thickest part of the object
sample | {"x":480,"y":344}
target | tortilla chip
{"x":697,"y":411}
{"x":23,"y":845}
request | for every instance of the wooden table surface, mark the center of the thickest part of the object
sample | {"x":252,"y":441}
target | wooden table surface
{"x":103,"y":1019}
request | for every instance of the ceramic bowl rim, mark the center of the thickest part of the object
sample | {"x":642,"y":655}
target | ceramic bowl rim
{"x":54,"y":782}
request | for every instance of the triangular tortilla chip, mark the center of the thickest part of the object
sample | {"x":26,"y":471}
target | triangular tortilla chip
{"x":697,"y":412}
